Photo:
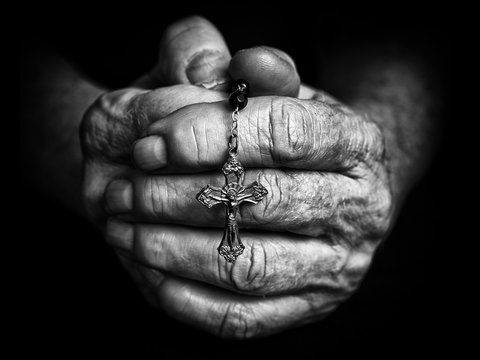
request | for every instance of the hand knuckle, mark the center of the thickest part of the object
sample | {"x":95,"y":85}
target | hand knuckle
{"x":381,"y":210}
{"x":100,"y":123}
{"x":375,"y":140}
{"x":93,"y":124}
{"x":368,"y":140}
{"x":354,"y":270}
{"x":276,"y":203}
{"x":239,"y":322}
{"x":154,"y":196}
{"x":251,"y":273}
{"x":378,"y":205}
{"x":198,"y":142}
{"x":340,"y":275}
{"x":291,"y":130}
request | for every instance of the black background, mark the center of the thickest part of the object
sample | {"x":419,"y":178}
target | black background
{"x":80,"y":301}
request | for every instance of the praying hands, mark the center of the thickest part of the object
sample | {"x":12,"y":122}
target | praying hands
{"x":328,"y":168}
{"x":334,"y":172}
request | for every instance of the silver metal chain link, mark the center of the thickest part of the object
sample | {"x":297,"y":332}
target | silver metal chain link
{"x":233,"y":141}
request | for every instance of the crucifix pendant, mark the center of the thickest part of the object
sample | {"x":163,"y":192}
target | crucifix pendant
{"x":233,"y":193}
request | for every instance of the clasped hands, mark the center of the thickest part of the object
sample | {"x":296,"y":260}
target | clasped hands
{"x":150,"y":148}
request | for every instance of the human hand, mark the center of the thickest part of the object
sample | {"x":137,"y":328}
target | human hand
{"x":192,"y":51}
{"x":117,"y":118}
{"x":309,"y":243}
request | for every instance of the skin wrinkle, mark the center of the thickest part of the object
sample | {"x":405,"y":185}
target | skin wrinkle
{"x":148,"y":197}
{"x":247,"y":283}
{"x":308,"y":128}
{"x":204,"y":136}
{"x":103,"y":122}
{"x":158,"y":251}
{"x":221,"y":328}
{"x":314,"y":137}
{"x":275,"y":192}
{"x":252,"y":260}
{"x":216,"y":259}
{"x":157,"y":189}
{"x":271,"y":138}
{"x":258,"y":132}
{"x":264,"y":261}
{"x":297,"y":145}
{"x":237,"y":285}
{"x":280,"y":192}
{"x":331,"y":150}
{"x":286,"y":115}
{"x":322,"y":303}
{"x":359,"y":226}
{"x":196,"y":144}
{"x":236,"y":320}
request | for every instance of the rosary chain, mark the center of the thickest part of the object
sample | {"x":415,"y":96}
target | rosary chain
{"x":233,"y":141}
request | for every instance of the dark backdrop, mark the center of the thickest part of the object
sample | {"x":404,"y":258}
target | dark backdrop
{"x":81,"y":301}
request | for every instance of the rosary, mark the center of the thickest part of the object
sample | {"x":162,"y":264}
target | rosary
{"x":233,"y":193}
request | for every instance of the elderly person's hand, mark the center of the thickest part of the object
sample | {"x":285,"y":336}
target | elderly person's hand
{"x":118,"y":118}
{"x":309,"y":243}
{"x":192,"y":52}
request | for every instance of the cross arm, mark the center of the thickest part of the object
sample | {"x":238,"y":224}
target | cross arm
{"x":253,"y":193}
{"x":210,"y":196}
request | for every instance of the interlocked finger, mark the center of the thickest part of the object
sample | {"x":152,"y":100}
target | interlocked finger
{"x":273,"y":132}
{"x":272,"y":263}
{"x":299,"y":202}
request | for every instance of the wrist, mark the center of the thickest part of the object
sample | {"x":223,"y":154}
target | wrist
{"x":408,"y":137}
{"x":54,"y":98}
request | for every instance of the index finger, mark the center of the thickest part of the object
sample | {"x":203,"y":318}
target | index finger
{"x":273,"y":132}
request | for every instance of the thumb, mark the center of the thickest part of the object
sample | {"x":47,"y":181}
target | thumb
{"x":268,"y":70}
{"x":192,"y":51}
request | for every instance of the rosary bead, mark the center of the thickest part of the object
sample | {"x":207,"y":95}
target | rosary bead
{"x":238,"y":98}
{"x":242,"y":85}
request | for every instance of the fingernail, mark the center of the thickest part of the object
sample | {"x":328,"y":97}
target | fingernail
{"x":119,"y":197}
{"x":208,"y":68}
{"x":119,"y":234}
{"x":150,"y":153}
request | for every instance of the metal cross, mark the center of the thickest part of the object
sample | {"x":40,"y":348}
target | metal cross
{"x":232,"y":194}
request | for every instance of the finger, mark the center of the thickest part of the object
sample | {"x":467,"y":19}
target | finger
{"x":269,"y":71}
{"x":272,"y":263}
{"x":192,"y":51}
{"x":236,"y":316}
{"x":273,"y":132}
{"x":118,"y":118}
{"x":308,"y":203}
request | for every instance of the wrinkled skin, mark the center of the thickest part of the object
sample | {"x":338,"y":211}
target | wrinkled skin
{"x":308,"y":244}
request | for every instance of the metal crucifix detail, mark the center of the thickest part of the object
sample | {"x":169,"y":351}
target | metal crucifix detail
{"x":232,"y":194}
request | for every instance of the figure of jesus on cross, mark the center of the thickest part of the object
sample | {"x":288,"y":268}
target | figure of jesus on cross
{"x":232,"y":194}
